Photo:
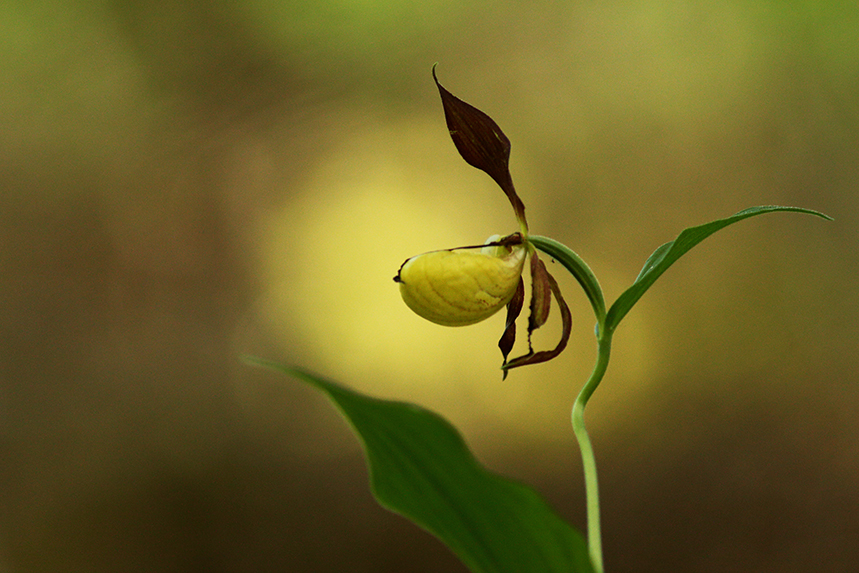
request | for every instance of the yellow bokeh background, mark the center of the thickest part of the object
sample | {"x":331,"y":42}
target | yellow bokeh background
{"x":186,"y":182}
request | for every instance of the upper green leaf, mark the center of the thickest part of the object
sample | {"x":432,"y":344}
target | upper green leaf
{"x":421,"y":468}
{"x":664,"y":256}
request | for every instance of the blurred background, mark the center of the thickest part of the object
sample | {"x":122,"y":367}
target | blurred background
{"x":184,"y":182}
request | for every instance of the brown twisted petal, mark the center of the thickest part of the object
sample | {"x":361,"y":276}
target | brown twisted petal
{"x":567,"y":324}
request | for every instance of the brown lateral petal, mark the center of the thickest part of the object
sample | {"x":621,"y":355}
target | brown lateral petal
{"x":567,"y":321}
{"x":480,"y":142}
{"x":541,"y":295}
{"x":514,"y":308}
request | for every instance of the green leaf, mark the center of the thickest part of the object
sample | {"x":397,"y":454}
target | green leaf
{"x":666,"y":254}
{"x":421,"y":468}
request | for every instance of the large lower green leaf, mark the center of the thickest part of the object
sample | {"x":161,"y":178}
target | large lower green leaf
{"x":664,"y":256}
{"x":421,"y":468}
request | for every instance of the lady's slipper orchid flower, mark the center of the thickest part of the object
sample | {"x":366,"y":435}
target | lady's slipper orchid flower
{"x":463,"y":286}
{"x":458,"y":287}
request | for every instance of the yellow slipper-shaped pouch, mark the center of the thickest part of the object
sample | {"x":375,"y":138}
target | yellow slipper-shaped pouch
{"x":458,"y":287}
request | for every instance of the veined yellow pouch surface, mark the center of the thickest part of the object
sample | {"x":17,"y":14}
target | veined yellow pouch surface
{"x":459,"y":287}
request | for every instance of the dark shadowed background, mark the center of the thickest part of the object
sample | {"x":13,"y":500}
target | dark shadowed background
{"x":183,"y":182}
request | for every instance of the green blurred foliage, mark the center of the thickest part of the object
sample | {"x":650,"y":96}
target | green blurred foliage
{"x":183,"y":182}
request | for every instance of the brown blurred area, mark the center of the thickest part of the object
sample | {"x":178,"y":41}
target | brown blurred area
{"x":182,"y":183}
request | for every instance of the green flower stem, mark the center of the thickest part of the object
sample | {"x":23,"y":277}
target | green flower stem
{"x":656,"y":264}
{"x":580,"y":270}
{"x":589,"y":463}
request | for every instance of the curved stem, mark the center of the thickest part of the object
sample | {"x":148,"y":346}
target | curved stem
{"x":589,"y":463}
{"x":578,"y":268}
{"x":582,"y":272}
